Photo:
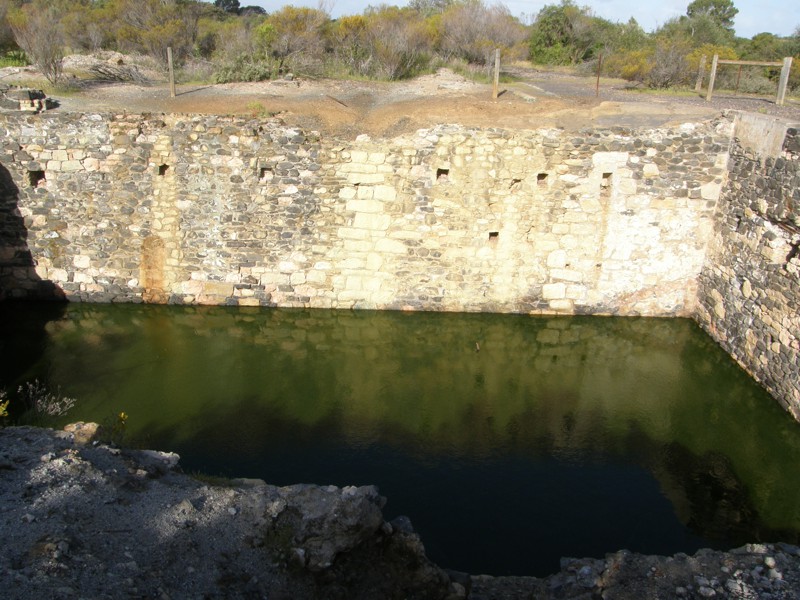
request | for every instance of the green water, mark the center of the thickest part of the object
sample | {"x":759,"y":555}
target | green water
{"x":508,"y":440}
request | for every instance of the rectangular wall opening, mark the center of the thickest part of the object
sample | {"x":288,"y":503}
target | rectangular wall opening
{"x":162,"y":170}
{"x":494,"y":236}
{"x":35,"y":178}
{"x":541,"y":179}
{"x":442,"y":175}
{"x":605,"y":184}
{"x":265,"y":174}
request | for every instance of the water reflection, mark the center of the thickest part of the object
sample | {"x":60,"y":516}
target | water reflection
{"x":509,"y":440}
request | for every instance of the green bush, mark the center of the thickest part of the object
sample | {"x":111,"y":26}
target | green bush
{"x":557,"y":54}
{"x":14,"y":58}
{"x":244,"y":69}
{"x":632,"y":65}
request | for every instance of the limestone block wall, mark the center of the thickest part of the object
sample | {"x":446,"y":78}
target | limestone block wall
{"x":749,"y":290}
{"x":238,"y":211}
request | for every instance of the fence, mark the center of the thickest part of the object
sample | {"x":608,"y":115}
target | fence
{"x":783,"y":82}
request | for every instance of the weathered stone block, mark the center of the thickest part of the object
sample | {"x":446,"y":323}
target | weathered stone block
{"x":365,"y":206}
{"x":385,"y":193}
{"x":372,"y":221}
{"x":390,"y":246}
{"x":562,"y":305}
{"x":557,"y":259}
{"x":352,"y":233}
{"x":81,"y":261}
{"x":553,"y":291}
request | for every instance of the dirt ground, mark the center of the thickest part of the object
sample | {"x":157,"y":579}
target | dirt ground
{"x":535,"y":99}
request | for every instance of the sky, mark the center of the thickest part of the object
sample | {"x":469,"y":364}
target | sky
{"x":780,"y":17}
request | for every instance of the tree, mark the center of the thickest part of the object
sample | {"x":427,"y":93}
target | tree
{"x":565,"y":34}
{"x":472,"y":31}
{"x":296,"y":36}
{"x":696,"y":31}
{"x":629,"y":36}
{"x":229,"y":6}
{"x":248,"y":11}
{"x":428,"y":8}
{"x":37,"y":31}
{"x":6,"y":35}
{"x":721,"y":12}
{"x":399,"y":41}
{"x":152,"y":26}
{"x":350,"y":42}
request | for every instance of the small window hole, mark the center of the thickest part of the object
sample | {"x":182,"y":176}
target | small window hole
{"x":36,"y":178}
{"x":442,"y":174}
{"x":162,"y":170}
{"x":494,"y":236}
{"x":605,"y":184}
{"x":265,"y":174}
{"x":541,"y":179}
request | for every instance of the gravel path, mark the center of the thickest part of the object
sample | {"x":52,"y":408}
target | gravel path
{"x":558,"y":85}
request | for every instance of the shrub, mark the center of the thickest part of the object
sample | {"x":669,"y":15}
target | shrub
{"x":42,"y":403}
{"x":709,"y":50}
{"x":37,"y":32}
{"x":753,"y":81}
{"x":244,"y":68}
{"x":3,"y":405}
{"x":351,"y":44}
{"x":113,"y":430}
{"x":196,"y":71}
{"x":632,"y":65}
{"x":669,"y":65}
{"x":294,"y":37}
{"x":14,"y":58}
{"x":399,"y":42}
{"x":472,"y":31}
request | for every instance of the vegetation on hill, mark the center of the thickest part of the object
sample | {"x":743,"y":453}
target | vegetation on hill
{"x":232,"y":42}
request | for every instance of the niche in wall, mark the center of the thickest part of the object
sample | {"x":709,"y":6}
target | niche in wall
{"x":605,"y":184}
{"x":442,"y":175}
{"x":265,"y":174}
{"x":35,"y":178}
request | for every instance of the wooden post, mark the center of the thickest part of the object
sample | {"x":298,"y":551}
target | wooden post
{"x":738,"y":78}
{"x":700,"y":73}
{"x":712,"y":77}
{"x":599,"y":69}
{"x":784,"y":80}
{"x":171,"y":74}
{"x":496,"y":80}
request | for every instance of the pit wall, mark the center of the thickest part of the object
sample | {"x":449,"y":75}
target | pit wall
{"x":749,"y":290}
{"x":215,"y":210}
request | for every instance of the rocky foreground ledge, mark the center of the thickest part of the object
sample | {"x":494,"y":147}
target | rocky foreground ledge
{"x":84,"y":520}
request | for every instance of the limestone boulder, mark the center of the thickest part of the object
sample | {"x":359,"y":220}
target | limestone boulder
{"x":326,"y":521}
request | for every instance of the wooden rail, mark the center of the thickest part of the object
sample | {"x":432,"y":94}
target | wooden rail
{"x":783,"y":82}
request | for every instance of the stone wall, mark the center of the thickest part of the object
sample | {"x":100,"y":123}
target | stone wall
{"x":749,"y":290}
{"x":237,"y":211}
